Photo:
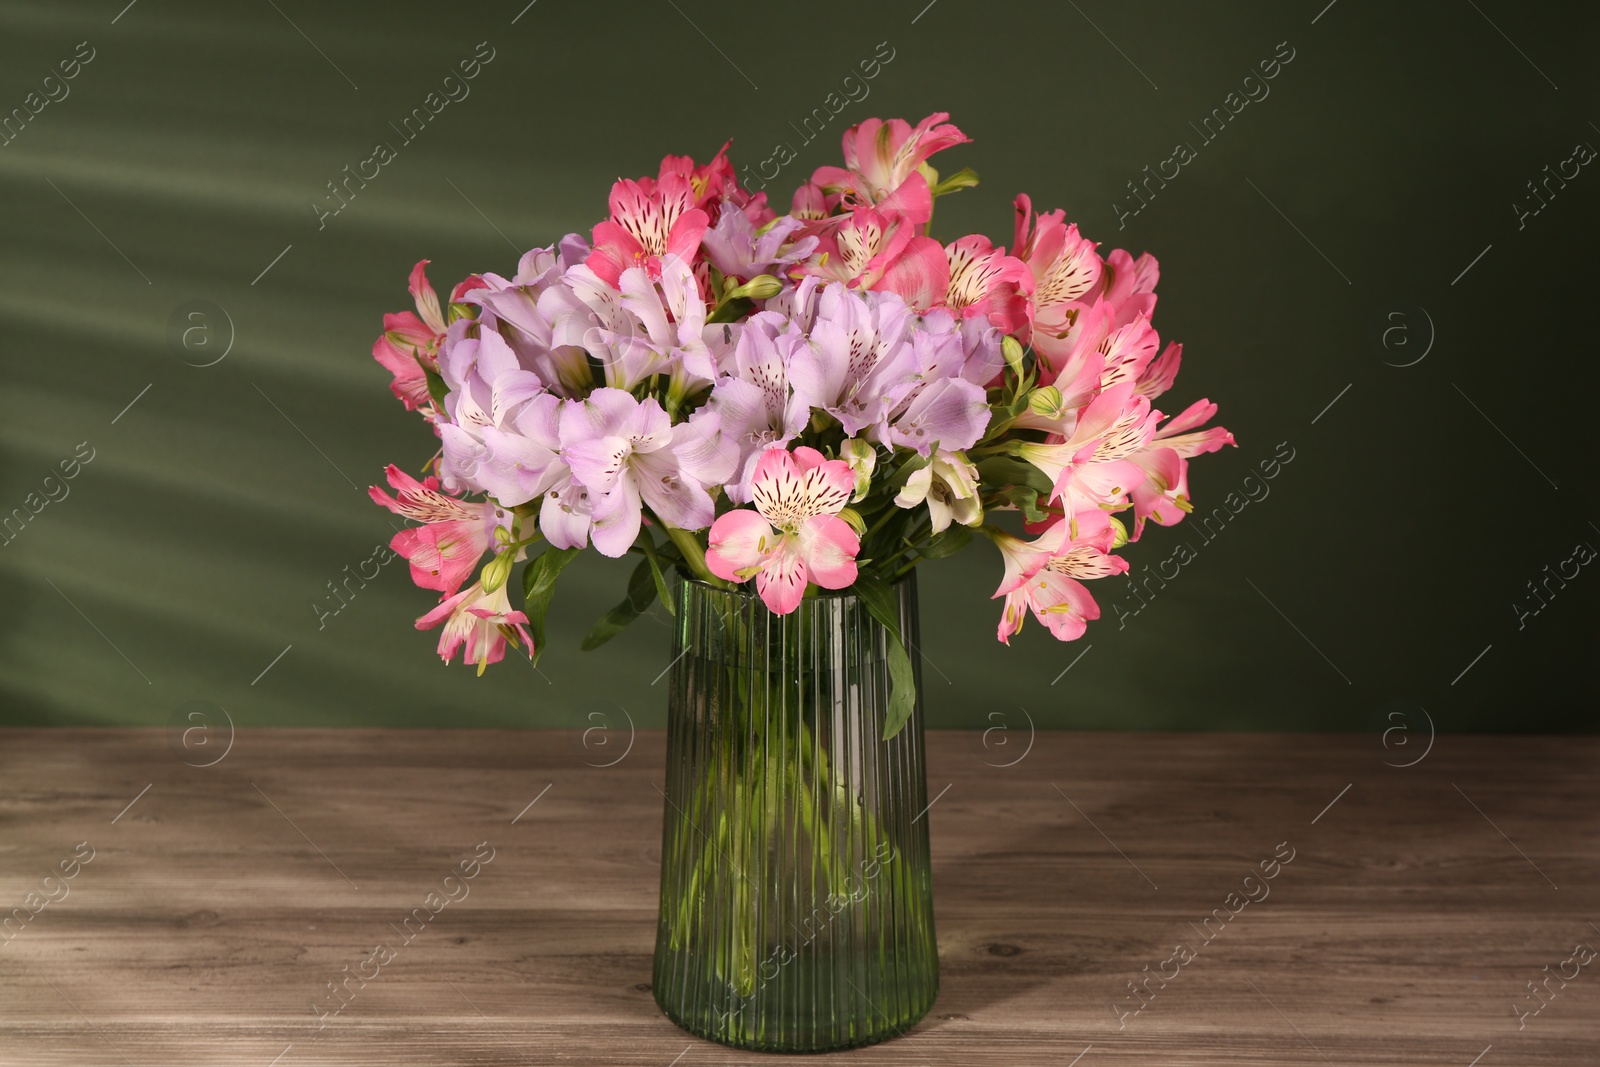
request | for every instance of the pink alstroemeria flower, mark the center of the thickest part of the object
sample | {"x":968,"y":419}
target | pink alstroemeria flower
{"x":649,"y":219}
{"x":971,"y":277}
{"x":1092,"y":466}
{"x":1067,"y":273}
{"x":861,"y":247}
{"x":483,"y":622}
{"x":1164,"y":494}
{"x":410,"y":343}
{"x":455,"y":534}
{"x":1043,"y":575}
{"x":715,"y":186}
{"x":881,"y":159}
{"x":794,"y":536}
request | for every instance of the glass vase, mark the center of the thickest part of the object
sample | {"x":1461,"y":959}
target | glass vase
{"x":796,"y":890}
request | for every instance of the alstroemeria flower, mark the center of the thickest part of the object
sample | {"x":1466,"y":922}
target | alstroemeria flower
{"x":860,"y":248}
{"x":445,"y":550}
{"x":483,"y":622}
{"x":794,"y":536}
{"x":735,"y":248}
{"x":515,"y":302}
{"x":635,"y":325}
{"x":881,"y":158}
{"x":715,"y":186}
{"x":758,"y":409}
{"x":627,"y":453}
{"x":1065,"y":266}
{"x":1164,"y":494}
{"x":948,"y":484}
{"x":1092,"y":466}
{"x":672,"y":319}
{"x":1130,"y":285}
{"x":409,"y":346}
{"x":490,"y":442}
{"x":1042,"y":576}
{"x":858,"y":362}
{"x":971,"y":277}
{"x":945,"y":411}
{"x":1096,"y":354}
{"x":649,"y":220}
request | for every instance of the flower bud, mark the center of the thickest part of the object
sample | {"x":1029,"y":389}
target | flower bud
{"x":1011,"y":348}
{"x":761,"y":287}
{"x":853,"y":517}
{"x":1119,"y":532}
{"x":497,"y":571}
{"x":1045,"y":401}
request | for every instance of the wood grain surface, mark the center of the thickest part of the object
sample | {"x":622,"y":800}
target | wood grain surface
{"x":221,"y":902}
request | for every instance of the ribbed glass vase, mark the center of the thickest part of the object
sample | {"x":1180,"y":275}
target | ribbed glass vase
{"x":796,"y":892}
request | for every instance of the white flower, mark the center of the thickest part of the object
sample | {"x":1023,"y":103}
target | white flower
{"x":949,"y":486}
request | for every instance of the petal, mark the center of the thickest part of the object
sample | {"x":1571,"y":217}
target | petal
{"x":920,"y":274}
{"x":828,"y":485}
{"x":915,"y":491}
{"x":427,"y":300}
{"x":447,"y":607}
{"x":703,"y":451}
{"x":564,"y":517}
{"x":829,"y":546}
{"x":739,"y":540}
{"x":782,"y":583}
{"x":443,"y":555}
{"x":599,"y":463}
{"x":617,"y":518}
{"x":602,"y":413}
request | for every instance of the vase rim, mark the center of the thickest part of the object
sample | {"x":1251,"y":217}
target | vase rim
{"x":748,"y":592}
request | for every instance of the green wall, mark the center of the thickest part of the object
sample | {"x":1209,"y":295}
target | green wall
{"x":1318,"y":230}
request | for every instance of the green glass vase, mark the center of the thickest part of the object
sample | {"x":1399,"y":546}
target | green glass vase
{"x":796,"y":890}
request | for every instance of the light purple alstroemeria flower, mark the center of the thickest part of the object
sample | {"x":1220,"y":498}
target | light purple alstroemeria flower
{"x":563,"y":367}
{"x":858,"y":362}
{"x":627,"y":453}
{"x":488,"y":387}
{"x":758,"y":408}
{"x":735,"y":249}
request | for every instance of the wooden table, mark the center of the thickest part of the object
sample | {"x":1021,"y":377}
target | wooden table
{"x":221,"y":901}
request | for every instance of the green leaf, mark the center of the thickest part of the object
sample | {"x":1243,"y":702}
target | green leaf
{"x":1026,"y":498}
{"x":903,"y":691}
{"x":732,"y":311}
{"x":908,"y":468}
{"x":436,"y":387}
{"x":881,"y":602}
{"x":539,"y":587}
{"x":954,"y":538}
{"x":647,"y":544}
{"x":1008,"y":470}
{"x":965,"y":178}
{"x":641,"y":591}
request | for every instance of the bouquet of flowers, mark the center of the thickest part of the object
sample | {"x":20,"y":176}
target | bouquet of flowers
{"x":820,"y":399}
